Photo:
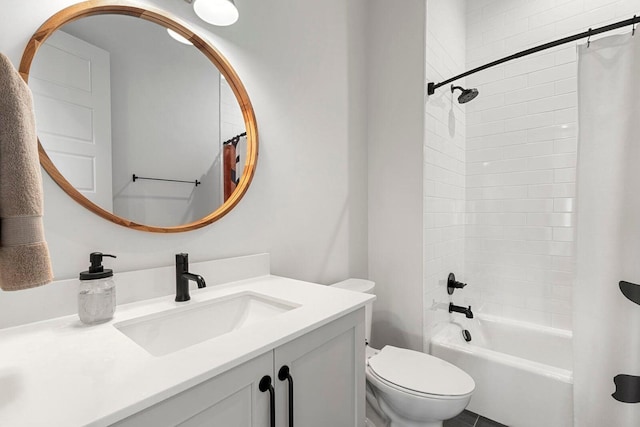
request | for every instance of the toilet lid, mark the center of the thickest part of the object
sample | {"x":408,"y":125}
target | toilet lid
{"x":420,"y":372}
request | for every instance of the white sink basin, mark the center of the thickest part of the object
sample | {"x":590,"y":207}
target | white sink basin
{"x":168,"y":331}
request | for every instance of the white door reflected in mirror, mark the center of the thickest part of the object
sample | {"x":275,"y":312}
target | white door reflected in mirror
{"x":71,"y":86}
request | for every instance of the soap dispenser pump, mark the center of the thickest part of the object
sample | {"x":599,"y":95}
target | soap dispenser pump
{"x":97,"y":293}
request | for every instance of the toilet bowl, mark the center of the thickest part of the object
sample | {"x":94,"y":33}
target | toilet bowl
{"x":410,"y":388}
{"x":415,"y":389}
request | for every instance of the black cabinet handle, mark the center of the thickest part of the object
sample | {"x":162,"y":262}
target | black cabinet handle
{"x":265,"y":385}
{"x":285,"y":374}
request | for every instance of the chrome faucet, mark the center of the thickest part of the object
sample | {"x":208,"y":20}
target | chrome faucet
{"x":183,"y":276}
{"x":466,"y":311}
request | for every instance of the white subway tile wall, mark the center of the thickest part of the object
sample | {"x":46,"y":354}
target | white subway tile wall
{"x":444,"y":161}
{"x":521,"y":149}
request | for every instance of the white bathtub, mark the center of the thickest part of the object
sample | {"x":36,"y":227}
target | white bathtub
{"x":523,"y":372}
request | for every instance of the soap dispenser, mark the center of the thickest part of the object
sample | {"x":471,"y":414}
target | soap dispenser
{"x":97,"y":293}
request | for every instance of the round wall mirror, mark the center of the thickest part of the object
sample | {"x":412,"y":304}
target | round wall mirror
{"x":140,"y":120}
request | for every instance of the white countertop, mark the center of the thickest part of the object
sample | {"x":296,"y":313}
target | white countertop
{"x":60,"y":372}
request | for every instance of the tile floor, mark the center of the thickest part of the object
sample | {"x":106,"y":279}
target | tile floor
{"x":469,"y":419}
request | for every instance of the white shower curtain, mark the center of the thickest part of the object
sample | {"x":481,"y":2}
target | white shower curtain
{"x":606,"y":322}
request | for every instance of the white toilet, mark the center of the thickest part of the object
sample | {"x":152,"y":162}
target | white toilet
{"x":410,"y":388}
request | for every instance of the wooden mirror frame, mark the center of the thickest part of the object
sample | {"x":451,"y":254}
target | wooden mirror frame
{"x":103,"y":7}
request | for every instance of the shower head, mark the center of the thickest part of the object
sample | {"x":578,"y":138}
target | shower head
{"x":466,"y":95}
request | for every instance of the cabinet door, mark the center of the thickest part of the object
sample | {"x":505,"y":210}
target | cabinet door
{"x":231,"y":399}
{"x":328,"y":372}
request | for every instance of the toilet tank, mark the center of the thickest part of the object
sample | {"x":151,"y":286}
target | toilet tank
{"x":367,"y":287}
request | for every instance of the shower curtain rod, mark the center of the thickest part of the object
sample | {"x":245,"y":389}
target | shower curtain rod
{"x":431,"y":87}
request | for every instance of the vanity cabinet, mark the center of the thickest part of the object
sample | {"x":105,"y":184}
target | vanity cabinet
{"x":230,"y":399}
{"x":328,"y":371}
{"x":328,"y":375}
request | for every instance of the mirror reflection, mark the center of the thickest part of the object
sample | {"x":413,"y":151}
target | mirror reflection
{"x":116,"y":98}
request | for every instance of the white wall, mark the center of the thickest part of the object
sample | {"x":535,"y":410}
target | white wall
{"x":172,"y":133}
{"x":521,"y":155}
{"x":232,"y":124}
{"x":395,"y":122}
{"x":444,"y":164}
{"x":231,"y":121}
{"x":303,"y":66}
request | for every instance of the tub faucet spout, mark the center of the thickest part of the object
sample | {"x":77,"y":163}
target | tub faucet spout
{"x":466,"y":311}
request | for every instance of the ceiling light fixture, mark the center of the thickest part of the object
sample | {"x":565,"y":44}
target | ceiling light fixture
{"x":216,"y":12}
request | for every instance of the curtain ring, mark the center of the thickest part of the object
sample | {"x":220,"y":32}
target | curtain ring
{"x":589,"y":38}
{"x":633,"y":32}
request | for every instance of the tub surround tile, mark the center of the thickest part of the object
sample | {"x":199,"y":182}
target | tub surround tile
{"x":529,"y":168}
{"x":516,"y":156}
{"x":444,"y":161}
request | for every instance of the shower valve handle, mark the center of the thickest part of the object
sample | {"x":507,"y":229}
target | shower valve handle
{"x":453,"y":284}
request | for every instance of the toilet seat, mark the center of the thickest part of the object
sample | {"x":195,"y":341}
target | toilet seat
{"x":419,"y":374}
